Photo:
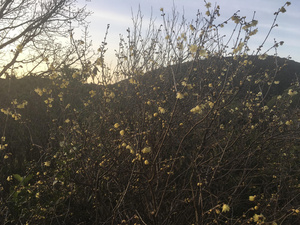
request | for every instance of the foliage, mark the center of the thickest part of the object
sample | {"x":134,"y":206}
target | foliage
{"x":189,"y":132}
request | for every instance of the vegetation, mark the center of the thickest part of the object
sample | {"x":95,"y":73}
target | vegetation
{"x":185,"y":130}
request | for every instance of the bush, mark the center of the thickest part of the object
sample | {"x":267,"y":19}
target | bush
{"x":189,"y":133}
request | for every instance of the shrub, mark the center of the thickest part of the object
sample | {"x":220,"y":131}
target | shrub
{"x":189,"y":133}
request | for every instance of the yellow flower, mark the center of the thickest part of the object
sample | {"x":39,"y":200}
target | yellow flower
{"x":138,"y":156}
{"x":208,"y":5}
{"x":192,"y":27}
{"x":258,"y":218}
{"x":292,"y":92}
{"x":235,"y":19}
{"x":202,"y":52}
{"x":225,"y":208}
{"x":132,"y":81}
{"x":14,"y":102}
{"x":252,"y":198}
{"x":196,"y":109}
{"x":282,"y":9}
{"x":265,"y":108}
{"x":19,"y":48}
{"x":2,"y":147}
{"x":211,"y":104}
{"x":75,"y":75}
{"x":48,"y":163}
{"x":263,"y":57}
{"x":146,"y":162}
{"x":179,"y":95}
{"x":146,"y":150}
{"x":92,"y":93}
{"x":38,"y":91}
{"x":161,"y":110}
{"x":122,"y":132}
{"x":112,"y":95}
{"x":253,"y":32}
{"x":254,"y":23}
{"x":193,"y":48}
{"x":116,"y":125}
{"x":238,"y":48}
{"x":22,"y":106}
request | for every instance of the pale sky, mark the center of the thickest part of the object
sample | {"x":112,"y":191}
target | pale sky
{"x":118,"y":14}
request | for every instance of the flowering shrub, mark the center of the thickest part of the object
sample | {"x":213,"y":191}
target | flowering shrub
{"x":189,"y":132}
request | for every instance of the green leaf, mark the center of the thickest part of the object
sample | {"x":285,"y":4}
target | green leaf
{"x":28,"y":178}
{"x":18,"y":177}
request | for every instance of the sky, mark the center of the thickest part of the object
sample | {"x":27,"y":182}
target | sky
{"x":118,"y":14}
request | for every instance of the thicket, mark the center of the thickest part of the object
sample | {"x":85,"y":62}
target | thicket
{"x":185,"y":130}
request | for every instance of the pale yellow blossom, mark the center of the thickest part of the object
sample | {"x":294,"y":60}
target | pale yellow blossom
{"x":179,"y":95}
{"x":161,"y":110}
{"x":92,"y":93}
{"x":252,"y":198}
{"x":48,"y":163}
{"x":239,"y":48}
{"x":292,"y":92}
{"x":38,"y":91}
{"x":225,"y":208}
{"x":146,"y":150}
{"x":258,"y":218}
{"x":196,"y":109}
{"x":211,"y":104}
{"x":193,"y":48}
